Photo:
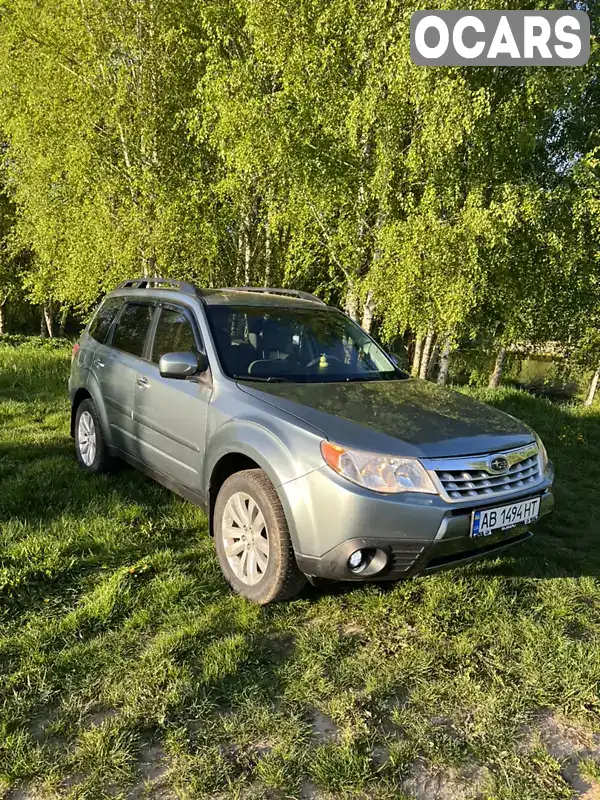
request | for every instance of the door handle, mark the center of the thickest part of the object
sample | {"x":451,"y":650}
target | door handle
{"x":98,"y":363}
{"x":143,"y":383}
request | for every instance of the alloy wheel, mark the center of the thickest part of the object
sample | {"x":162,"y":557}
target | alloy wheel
{"x":86,"y":438}
{"x":245,"y":538}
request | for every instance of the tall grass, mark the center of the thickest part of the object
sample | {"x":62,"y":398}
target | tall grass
{"x":127,"y":667}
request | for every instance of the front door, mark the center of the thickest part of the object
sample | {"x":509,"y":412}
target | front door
{"x":170,"y":415}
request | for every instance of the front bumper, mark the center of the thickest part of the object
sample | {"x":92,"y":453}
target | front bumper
{"x":419,"y":534}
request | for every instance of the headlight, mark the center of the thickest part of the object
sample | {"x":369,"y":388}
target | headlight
{"x":389,"y":474}
{"x":542,"y":453}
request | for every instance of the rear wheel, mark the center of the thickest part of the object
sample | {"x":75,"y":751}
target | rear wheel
{"x":252,"y":539}
{"x":90,"y":446}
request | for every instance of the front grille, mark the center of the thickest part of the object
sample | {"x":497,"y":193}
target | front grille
{"x":463,"y":479}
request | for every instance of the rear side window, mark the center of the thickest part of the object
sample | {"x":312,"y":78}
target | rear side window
{"x":132,"y":328}
{"x":100,"y":325}
{"x":174,"y":334}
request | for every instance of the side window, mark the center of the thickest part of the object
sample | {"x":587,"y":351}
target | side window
{"x":132,"y":328}
{"x":100,"y":324}
{"x":174,"y":334}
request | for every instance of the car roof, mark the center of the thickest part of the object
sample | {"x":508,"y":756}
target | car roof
{"x":239,"y":297}
{"x":148,"y":288}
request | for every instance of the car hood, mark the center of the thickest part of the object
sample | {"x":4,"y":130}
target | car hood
{"x":405,"y":417}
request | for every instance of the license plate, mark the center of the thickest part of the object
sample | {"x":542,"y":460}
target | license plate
{"x":488,"y":520}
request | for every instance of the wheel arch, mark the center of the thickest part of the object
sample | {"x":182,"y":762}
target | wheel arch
{"x":90,"y":390}
{"x":229,"y":464}
{"x":264,"y":454}
{"x":80,"y":395}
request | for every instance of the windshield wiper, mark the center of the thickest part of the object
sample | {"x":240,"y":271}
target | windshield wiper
{"x":263,"y":379}
{"x":365,"y":377}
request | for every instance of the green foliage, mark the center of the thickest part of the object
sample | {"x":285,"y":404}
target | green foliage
{"x":297,"y":144}
{"x":35,"y":342}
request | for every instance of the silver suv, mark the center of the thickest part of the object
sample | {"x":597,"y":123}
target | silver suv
{"x":313,"y":454}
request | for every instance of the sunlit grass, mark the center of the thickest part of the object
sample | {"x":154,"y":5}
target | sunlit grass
{"x":118,"y":637}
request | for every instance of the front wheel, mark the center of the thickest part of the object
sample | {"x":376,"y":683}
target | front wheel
{"x":252,"y":539}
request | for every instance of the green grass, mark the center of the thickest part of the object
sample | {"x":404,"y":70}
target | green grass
{"x":127,"y":668}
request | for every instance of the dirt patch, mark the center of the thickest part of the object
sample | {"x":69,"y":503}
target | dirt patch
{"x":593,"y":793}
{"x":153,"y":766}
{"x":152,"y":762}
{"x":384,"y":716}
{"x":309,"y":791}
{"x":27,"y":792}
{"x":39,"y":727}
{"x":427,"y":782}
{"x":568,"y":744}
{"x":380,"y":755}
{"x":323,"y":727}
{"x":71,"y":781}
{"x":352,"y":629}
{"x":562,"y":739}
{"x":97,"y":718}
{"x":42,"y":732}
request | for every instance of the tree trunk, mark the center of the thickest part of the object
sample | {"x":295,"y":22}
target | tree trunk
{"x":352,"y":302}
{"x":239,"y":254}
{"x":442,"y":378}
{"x":496,"y":375}
{"x":433,"y":359}
{"x":43,"y":328}
{"x":48,"y":319}
{"x":416,"y":362}
{"x":426,"y":354}
{"x":267,"y":253}
{"x":593,"y":387}
{"x":151,"y":271}
{"x":63,"y":322}
{"x":2,"y":317}
{"x":368,"y":312}
{"x":247,"y":251}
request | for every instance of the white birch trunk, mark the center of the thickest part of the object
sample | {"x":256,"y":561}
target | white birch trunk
{"x":593,"y":388}
{"x":247,"y":252}
{"x":48,"y":320}
{"x":496,"y":375}
{"x":368,"y":312}
{"x":442,"y":378}
{"x":352,"y":302}
{"x":433,"y":359}
{"x":267,"y":252}
{"x":416,"y":362}
{"x":426,"y":354}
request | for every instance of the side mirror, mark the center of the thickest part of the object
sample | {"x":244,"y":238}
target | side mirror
{"x":182,"y":365}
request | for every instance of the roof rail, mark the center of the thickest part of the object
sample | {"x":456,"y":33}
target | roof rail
{"x":159,"y":283}
{"x":270,"y":290}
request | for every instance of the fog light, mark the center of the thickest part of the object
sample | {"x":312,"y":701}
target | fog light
{"x":355,"y":561}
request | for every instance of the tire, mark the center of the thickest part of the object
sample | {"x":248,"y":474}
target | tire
{"x":249,"y":497}
{"x":90,"y":445}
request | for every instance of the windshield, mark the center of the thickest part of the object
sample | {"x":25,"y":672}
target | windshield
{"x":295,"y":344}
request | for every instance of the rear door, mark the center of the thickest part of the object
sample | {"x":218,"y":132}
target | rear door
{"x":115,"y":365}
{"x":170,"y":415}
